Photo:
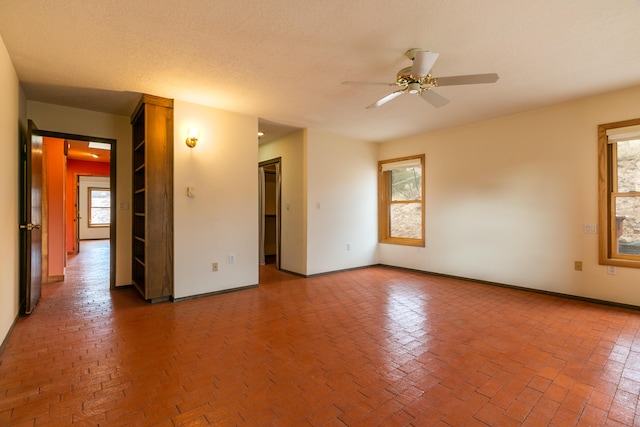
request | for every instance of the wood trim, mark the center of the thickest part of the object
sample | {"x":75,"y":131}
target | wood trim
{"x":606,"y":211}
{"x":384,"y":201}
{"x":44,"y":221}
{"x":383,"y":211}
{"x":90,"y":206}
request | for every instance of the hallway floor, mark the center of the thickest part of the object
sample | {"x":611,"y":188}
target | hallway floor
{"x":376,"y":346}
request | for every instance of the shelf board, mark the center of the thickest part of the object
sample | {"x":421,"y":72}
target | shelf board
{"x":139,"y":145}
{"x":139,"y":287}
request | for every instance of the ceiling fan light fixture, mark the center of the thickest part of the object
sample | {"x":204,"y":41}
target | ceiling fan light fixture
{"x":418,"y":80}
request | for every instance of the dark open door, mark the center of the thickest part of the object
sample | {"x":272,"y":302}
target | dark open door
{"x":77,"y":217}
{"x":30,"y":219}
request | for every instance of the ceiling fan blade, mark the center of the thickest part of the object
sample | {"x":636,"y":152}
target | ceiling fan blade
{"x":386,"y":99}
{"x":434,"y":98}
{"x":470,"y":79}
{"x":423,"y":62}
{"x":352,"y":82}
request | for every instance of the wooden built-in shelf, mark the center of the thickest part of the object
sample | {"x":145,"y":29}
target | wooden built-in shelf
{"x":152,"y":213}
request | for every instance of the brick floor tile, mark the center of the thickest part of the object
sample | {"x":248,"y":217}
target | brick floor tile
{"x":489,"y":413}
{"x":564,"y":417}
{"x":518,"y":411}
{"x":593,"y":417}
{"x":556,"y":393}
{"x":621,"y":414}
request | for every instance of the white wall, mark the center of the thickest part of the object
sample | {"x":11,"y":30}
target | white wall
{"x":342,"y":194}
{"x":87,"y":232}
{"x":506,"y":200}
{"x":293,"y":246}
{"x":57,"y":118}
{"x":222,"y":217}
{"x":10,"y":102}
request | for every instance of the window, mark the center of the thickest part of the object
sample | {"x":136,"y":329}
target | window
{"x":99,"y":207}
{"x":619,"y":193}
{"x":401,"y":201}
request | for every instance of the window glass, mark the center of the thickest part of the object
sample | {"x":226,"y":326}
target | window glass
{"x":99,"y":207}
{"x":405,"y":220}
{"x":406,"y":183}
{"x":628,"y":166}
{"x":627,"y":215}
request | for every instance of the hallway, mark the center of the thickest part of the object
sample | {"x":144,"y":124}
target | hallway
{"x":376,"y":346}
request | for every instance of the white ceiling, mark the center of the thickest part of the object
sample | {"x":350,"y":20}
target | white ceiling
{"x":284,"y":60}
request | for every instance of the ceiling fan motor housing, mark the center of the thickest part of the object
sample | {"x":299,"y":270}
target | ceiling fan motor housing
{"x":414,"y":87}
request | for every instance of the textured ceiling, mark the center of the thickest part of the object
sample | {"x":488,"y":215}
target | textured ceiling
{"x":284,"y":60}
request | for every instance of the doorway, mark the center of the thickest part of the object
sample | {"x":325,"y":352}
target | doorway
{"x":84,"y":156}
{"x":93,"y":206}
{"x":270,"y":215}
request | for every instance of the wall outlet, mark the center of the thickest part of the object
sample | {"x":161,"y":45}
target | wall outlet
{"x":577,"y":265}
{"x":611,"y":269}
{"x":214,"y":266}
{"x":232,"y":259}
{"x":348,"y":246}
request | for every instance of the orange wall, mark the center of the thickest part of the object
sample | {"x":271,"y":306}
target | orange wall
{"x":77,"y":168}
{"x":55,"y":192}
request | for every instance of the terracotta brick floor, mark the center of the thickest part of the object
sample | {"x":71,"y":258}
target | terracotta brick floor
{"x":376,"y":346}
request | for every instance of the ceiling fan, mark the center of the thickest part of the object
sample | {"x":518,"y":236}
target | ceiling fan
{"x":418,"y":80}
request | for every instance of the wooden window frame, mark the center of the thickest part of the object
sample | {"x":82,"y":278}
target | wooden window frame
{"x":607,"y":182}
{"x":89,"y":207}
{"x":384,"y":203}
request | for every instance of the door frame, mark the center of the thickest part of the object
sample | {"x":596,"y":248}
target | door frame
{"x":112,"y":183}
{"x":276,"y":161}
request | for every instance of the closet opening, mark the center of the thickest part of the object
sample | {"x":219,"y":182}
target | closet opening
{"x":270,"y":216}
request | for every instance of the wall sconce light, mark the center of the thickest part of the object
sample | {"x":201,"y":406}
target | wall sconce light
{"x":192,"y":137}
